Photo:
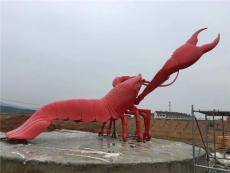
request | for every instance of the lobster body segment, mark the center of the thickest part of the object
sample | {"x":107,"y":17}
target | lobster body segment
{"x":111,"y":106}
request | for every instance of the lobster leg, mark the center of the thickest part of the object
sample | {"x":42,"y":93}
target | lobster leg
{"x":124,"y":120}
{"x":146,"y":114}
{"x":114,"y":135}
{"x":132,"y":111}
{"x":138,"y":131}
{"x":101,"y":132}
{"x":108,"y":130}
{"x":109,"y":127}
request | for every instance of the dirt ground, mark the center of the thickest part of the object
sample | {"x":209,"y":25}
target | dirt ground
{"x":179,"y":130}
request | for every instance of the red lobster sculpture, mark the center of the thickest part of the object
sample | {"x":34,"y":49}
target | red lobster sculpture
{"x":120,"y":100}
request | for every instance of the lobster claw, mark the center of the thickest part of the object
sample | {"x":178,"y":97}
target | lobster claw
{"x":183,"y":57}
{"x":206,"y":47}
{"x":193,"y":40}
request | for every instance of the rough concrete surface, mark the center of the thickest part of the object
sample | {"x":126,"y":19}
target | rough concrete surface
{"x":75,"y":151}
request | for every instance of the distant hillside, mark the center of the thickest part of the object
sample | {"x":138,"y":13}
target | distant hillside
{"x":7,"y":109}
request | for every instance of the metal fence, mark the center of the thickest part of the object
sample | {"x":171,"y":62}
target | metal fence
{"x":217,"y":152}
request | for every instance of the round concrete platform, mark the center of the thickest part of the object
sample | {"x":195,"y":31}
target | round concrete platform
{"x":75,"y":151}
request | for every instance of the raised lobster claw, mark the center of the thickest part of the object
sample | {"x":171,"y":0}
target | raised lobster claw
{"x":182,"y":57}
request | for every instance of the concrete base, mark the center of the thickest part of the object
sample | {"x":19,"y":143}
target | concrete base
{"x":75,"y":152}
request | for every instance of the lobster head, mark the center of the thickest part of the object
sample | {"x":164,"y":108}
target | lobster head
{"x":137,"y":81}
{"x":123,"y":94}
{"x":120,"y":79}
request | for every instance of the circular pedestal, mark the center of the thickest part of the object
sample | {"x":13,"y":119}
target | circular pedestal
{"x":75,"y":151}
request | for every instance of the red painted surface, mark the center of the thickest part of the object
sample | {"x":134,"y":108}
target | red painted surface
{"x":119,"y":101}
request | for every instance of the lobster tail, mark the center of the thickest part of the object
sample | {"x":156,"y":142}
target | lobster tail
{"x":87,"y":110}
{"x":207,"y":47}
{"x":30,"y":129}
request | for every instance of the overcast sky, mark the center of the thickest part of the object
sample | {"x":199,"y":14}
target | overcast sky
{"x":53,"y":50}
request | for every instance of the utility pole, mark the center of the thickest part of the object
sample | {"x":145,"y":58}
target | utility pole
{"x":169,"y":106}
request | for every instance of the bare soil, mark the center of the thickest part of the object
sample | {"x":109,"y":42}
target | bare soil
{"x":171,"y":129}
